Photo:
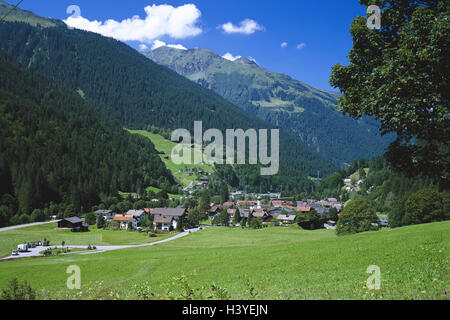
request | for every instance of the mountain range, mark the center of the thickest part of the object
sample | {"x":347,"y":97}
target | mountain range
{"x":124,"y":86}
{"x":307,"y":113}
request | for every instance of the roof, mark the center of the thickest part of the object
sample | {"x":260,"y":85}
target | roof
{"x":73,"y":220}
{"x":172,"y":212}
{"x":123,"y":217}
{"x":283,"y":217}
{"x":231,"y":212}
{"x":259,"y":213}
{"x":228,"y":204}
{"x":304,"y":209}
{"x":277,"y":203}
{"x":103,"y":212}
{"x":163,"y":219}
{"x":135,"y":213}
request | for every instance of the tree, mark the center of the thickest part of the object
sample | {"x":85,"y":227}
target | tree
{"x":194,"y":217}
{"x":255,"y":223}
{"x":224,"y":193}
{"x":357,"y":216}
{"x":38,"y":215}
{"x":426,"y":205}
{"x":222,"y":219}
{"x":399,"y":74}
{"x":204,"y":201}
{"x":18,"y":291}
{"x":237,"y":217}
{"x":90,"y":218}
{"x":100,"y":221}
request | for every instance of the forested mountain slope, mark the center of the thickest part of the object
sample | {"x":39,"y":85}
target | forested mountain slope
{"x":55,"y":147}
{"x":138,"y":92}
{"x":306,"y":112}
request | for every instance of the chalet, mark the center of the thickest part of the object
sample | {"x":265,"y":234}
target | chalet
{"x":259,"y":213}
{"x":244,"y":213}
{"x":330,"y":225}
{"x":277,"y":203}
{"x":107,"y":214}
{"x":228,"y":205}
{"x":138,"y":217}
{"x":304,"y":209}
{"x":123,"y":220}
{"x":73,"y":223}
{"x":286,"y":219}
{"x":168,"y":218}
{"x":231,"y":212}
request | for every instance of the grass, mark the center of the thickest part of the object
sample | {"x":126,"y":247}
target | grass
{"x":165,"y":147}
{"x":10,"y":239}
{"x":157,"y":190}
{"x":279,"y":263}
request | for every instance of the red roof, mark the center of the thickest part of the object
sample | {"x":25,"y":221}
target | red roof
{"x":304,"y":209}
{"x":123,"y":217}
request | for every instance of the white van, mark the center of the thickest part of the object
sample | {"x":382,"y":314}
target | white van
{"x":22,"y":248}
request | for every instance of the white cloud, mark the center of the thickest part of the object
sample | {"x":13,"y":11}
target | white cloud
{"x":230,"y":57}
{"x":247,"y":26}
{"x":284,"y":44}
{"x":301,"y":46}
{"x":143,"y":47}
{"x":161,"y":20}
{"x":252,"y":59}
{"x":158,"y":44}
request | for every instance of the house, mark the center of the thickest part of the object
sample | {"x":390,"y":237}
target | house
{"x":165,"y":223}
{"x":168,"y":218}
{"x":123,"y":220}
{"x":228,"y":205}
{"x":73,"y":223}
{"x":259,"y":213}
{"x":286,"y":219}
{"x":330,"y":225}
{"x":332,"y":200}
{"x":304,"y":209}
{"x":277,"y":203}
{"x":138,"y":217}
{"x":107,"y":214}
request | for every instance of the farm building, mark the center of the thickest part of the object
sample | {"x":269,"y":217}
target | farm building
{"x":74,"y":223}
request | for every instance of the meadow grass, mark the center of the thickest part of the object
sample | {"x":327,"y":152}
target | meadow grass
{"x":279,"y":263}
{"x":10,"y":239}
{"x":180,"y":172}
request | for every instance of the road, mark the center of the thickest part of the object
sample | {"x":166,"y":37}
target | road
{"x":35,"y":252}
{"x":26,"y":225}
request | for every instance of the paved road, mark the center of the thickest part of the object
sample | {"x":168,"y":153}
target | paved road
{"x":35,"y":252}
{"x":27,"y":225}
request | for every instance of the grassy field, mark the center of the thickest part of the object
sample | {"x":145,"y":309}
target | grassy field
{"x":10,"y":239}
{"x":279,"y":263}
{"x":180,"y":172}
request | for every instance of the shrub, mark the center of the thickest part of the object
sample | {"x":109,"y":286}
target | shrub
{"x":18,"y":291}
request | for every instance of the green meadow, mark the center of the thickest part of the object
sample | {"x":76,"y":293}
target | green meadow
{"x":272,"y":263}
{"x":10,"y":239}
{"x":165,"y":147}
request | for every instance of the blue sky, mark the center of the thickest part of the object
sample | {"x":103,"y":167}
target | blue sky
{"x":320,"y":27}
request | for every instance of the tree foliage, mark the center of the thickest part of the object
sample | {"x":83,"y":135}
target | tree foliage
{"x":357,"y":216}
{"x":400,"y":74}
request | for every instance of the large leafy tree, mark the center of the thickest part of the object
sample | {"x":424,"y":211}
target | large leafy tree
{"x":357,"y":216}
{"x":400,"y":74}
